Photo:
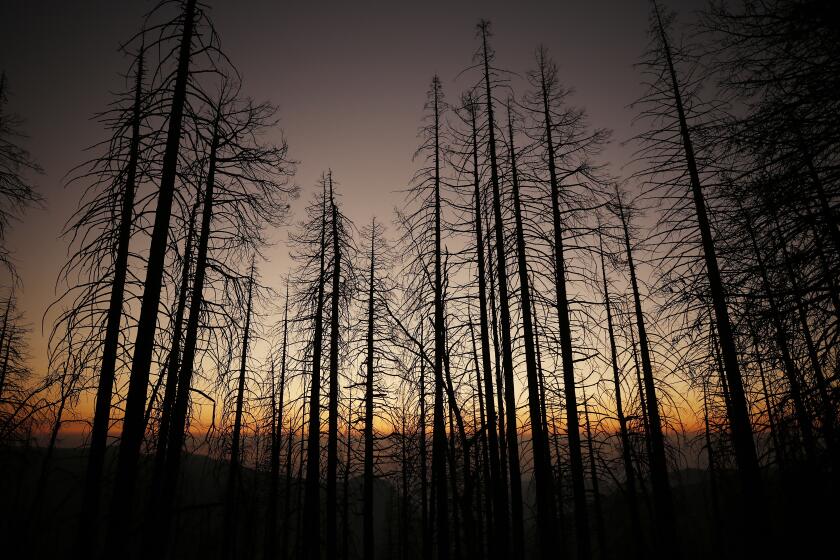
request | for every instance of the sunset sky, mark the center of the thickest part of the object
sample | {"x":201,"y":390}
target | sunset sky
{"x":349,"y":78}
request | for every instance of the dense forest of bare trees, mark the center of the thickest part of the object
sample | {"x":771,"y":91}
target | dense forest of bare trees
{"x":536,"y":358}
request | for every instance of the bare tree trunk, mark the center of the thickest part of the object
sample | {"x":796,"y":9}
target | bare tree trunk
{"x":542,"y":460}
{"x":287,"y":493}
{"x":5,"y":367}
{"x":663,"y":503}
{"x":122,"y":502}
{"x":481,"y":430}
{"x":642,"y":400}
{"x":8,"y":307}
{"x":311,"y":540}
{"x":564,"y":323}
{"x":439,"y":425}
{"x":404,"y":515}
{"x":778,"y":452}
{"x":369,"y":547}
{"x":629,"y":471}
{"x":504,"y":308}
{"x":425,"y":529}
{"x":345,"y":505}
{"x":596,"y":490}
{"x":828,"y":412}
{"x":503,"y":458}
{"x":498,"y":543}
{"x":180,"y":411}
{"x":88,"y":526}
{"x":332,"y":427}
{"x":171,"y":388}
{"x":300,"y":535}
{"x":231,"y":522}
{"x":711,"y":458}
{"x":466,"y":500}
{"x":541,"y":377}
{"x":46,"y":464}
{"x":788,"y":365}
{"x":742,"y":437}
{"x":276,"y":445}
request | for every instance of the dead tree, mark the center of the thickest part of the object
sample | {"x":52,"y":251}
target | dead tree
{"x":276,"y":445}
{"x":539,"y":442}
{"x":16,"y":192}
{"x":670,"y":102}
{"x":664,"y":508}
{"x":232,"y":487}
{"x":545,"y":81}
{"x":512,"y":435}
{"x":626,"y":450}
{"x":133,"y":429}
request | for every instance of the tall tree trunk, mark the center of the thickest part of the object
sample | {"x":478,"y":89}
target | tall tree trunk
{"x":641,"y":388}
{"x":515,"y":472}
{"x":788,"y":365}
{"x":177,"y":433}
{"x":231,"y":522}
{"x":404,"y":515}
{"x":629,"y":471}
{"x":541,"y":377}
{"x":542,"y":460}
{"x":300,"y":535}
{"x":287,"y":491}
{"x":499,"y":545}
{"x":9,"y":301}
{"x":596,"y":490}
{"x":369,"y":548}
{"x":829,"y":219}
{"x":565,"y":328}
{"x":332,"y":428}
{"x":711,"y":459}
{"x":778,"y":452}
{"x":453,"y":481}
{"x":122,"y":502}
{"x":425,"y":529}
{"x":311,"y":540}
{"x":663,"y":504}
{"x":172,"y":363}
{"x":276,"y":445}
{"x":439,"y":425}
{"x":46,"y":464}
{"x":345,"y":502}
{"x":4,"y":368}
{"x":481,"y":428}
{"x":466,"y":500}
{"x":742,"y":436}
{"x":827,"y":409}
{"x":497,"y":361}
{"x":102,"y":409}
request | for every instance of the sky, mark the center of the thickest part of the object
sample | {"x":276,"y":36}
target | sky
{"x":349,"y":79}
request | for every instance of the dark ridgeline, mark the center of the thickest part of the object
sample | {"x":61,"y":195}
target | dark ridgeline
{"x":582,"y":337}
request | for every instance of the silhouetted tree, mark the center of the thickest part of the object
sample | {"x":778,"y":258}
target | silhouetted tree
{"x":16,"y":191}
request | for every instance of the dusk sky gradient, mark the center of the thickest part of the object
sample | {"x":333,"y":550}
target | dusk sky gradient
{"x":349,"y":79}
